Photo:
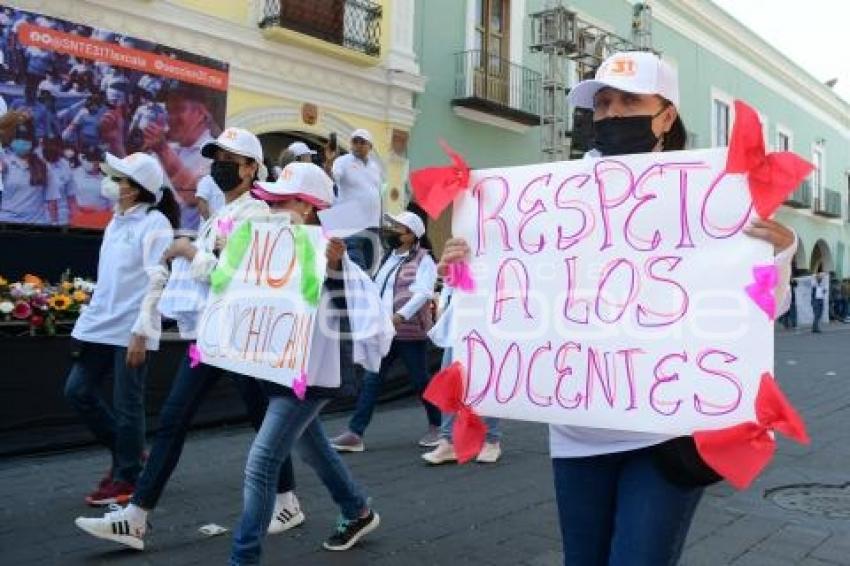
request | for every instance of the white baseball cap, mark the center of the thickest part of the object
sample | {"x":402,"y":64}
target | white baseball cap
{"x":300,"y":148}
{"x":409,"y":220}
{"x":301,"y":180}
{"x":241,"y":142}
{"x":362,"y":133}
{"x":640,"y":72}
{"x":140,"y":167}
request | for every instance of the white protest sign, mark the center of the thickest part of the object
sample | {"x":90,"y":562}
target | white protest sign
{"x":610,"y":293}
{"x":261,"y":323}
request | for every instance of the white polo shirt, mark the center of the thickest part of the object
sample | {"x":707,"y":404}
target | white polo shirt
{"x":360,"y":183}
{"x":130,"y":255}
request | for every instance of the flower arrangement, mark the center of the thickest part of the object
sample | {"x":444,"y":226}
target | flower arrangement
{"x":40,"y":305}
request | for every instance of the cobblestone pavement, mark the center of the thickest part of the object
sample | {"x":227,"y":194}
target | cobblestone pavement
{"x":502,"y":514}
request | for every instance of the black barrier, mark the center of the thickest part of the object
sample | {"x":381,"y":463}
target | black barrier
{"x":48,"y":252}
{"x":34,"y":416}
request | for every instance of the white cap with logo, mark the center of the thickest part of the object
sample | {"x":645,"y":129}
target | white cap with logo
{"x":300,"y":148}
{"x":639,"y":72}
{"x":409,"y":220}
{"x":241,"y":142}
{"x":361,"y":133}
{"x":142,"y":168}
{"x":301,"y":180}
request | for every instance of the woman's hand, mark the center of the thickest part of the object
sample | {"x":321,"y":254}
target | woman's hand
{"x":181,"y":247}
{"x":334,"y":253}
{"x":772,"y":232}
{"x":456,"y":250}
{"x":136,"y":351}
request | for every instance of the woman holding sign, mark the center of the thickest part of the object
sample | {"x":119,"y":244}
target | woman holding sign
{"x":628,"y":498}
{"x":292,"y":417}
{"x":237,"y":163}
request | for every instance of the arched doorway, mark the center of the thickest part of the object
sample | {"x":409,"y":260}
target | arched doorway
{"x":798,"y":263}
{"x":274,"y":143}
{"x":821,"y":258}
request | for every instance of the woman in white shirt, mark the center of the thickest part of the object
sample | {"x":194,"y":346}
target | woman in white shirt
{"x":628,"y":498}
{"x":113,"y":335}
{"x":406,"y":280}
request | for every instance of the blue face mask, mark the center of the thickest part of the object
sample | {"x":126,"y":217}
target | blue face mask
{"x":22,"y":148}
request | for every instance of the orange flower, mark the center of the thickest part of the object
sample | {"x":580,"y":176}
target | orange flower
{"x":67,"y":286}
{"x":3,"y":281}
{"x":59,"y":302}
{"x":80,"y":296}
{"x":33,"y":280}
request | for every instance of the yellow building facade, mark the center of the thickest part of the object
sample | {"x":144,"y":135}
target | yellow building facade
{"x":299,"y":69}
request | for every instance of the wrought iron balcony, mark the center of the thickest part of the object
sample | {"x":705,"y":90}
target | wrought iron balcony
{"x":353,"y":24}
{"x":829,"y":205}
{"x":496,"y":86}
{"x":801,"y":197}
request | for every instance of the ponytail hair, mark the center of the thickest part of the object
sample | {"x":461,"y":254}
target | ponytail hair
{"x":167,"y":204}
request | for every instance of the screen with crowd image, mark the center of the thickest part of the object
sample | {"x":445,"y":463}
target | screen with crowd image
{"x":74,"y":93}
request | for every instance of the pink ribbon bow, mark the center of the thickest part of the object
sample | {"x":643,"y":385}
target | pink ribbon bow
{"x":739,"y":453}
{"x":459,"y":276}
{"x":434,"y":188}
{"x":224,"y":226}
{"x":772,"y":177}
{"x":762,"y":290}
{"x":299,"y":386}
{"x":194,"y":355}
{"x":445,"y":391}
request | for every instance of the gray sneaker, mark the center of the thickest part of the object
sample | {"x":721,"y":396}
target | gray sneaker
{"x":431,"y":438}
{"x":348,"y":442}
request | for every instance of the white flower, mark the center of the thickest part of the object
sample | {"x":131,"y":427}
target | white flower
{"x":79,"y":282}
{"x":6,"y":307}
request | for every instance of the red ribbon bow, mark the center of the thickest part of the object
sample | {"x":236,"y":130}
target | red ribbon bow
{"x":772,"y":176}
{"x":436,"y":187}
{"x":741,"y":452}
{"x":446,"y":392}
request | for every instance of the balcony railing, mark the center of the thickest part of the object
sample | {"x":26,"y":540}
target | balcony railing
{"x":801,"y":197}
{"x":496,"y":86}
{"x":829,"y":205}
{"x":353,"y":24}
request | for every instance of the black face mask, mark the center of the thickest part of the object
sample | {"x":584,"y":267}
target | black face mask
{"x":226,"y":175}
{"x":622,"y":136}
{"x":393,"y":240}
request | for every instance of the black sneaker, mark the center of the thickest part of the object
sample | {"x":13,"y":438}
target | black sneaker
{"x":347,"y":532}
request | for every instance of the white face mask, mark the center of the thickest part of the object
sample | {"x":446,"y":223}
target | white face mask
{"x":290,"y":215}
{"x":110,"y":189}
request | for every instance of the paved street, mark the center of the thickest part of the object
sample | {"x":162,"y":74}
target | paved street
{"x":502,"y":514}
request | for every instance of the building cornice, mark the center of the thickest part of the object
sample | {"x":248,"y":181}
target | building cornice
{"x":726,"y":37}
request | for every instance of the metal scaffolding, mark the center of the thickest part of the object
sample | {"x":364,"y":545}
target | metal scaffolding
{"x":561,"y":37}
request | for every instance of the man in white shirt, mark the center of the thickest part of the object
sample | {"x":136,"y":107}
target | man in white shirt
{"x":820,"y":287}
{"x":359,"y":178}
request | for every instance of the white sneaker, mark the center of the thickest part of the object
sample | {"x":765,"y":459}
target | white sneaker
{"x":490,"y":454}
{"x":287,"y":513}
{"x":117,"y":526}
{"x":444,"y":452}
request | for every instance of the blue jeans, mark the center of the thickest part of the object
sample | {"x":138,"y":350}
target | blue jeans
{"x":121,"y":427}
{"x":289,"y":421}
{"x":414,"y":355}
{"x":817,"y":309}
{"x":190,"y":387}
{"x":619,"y":510}
{"x":494,"y":430}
